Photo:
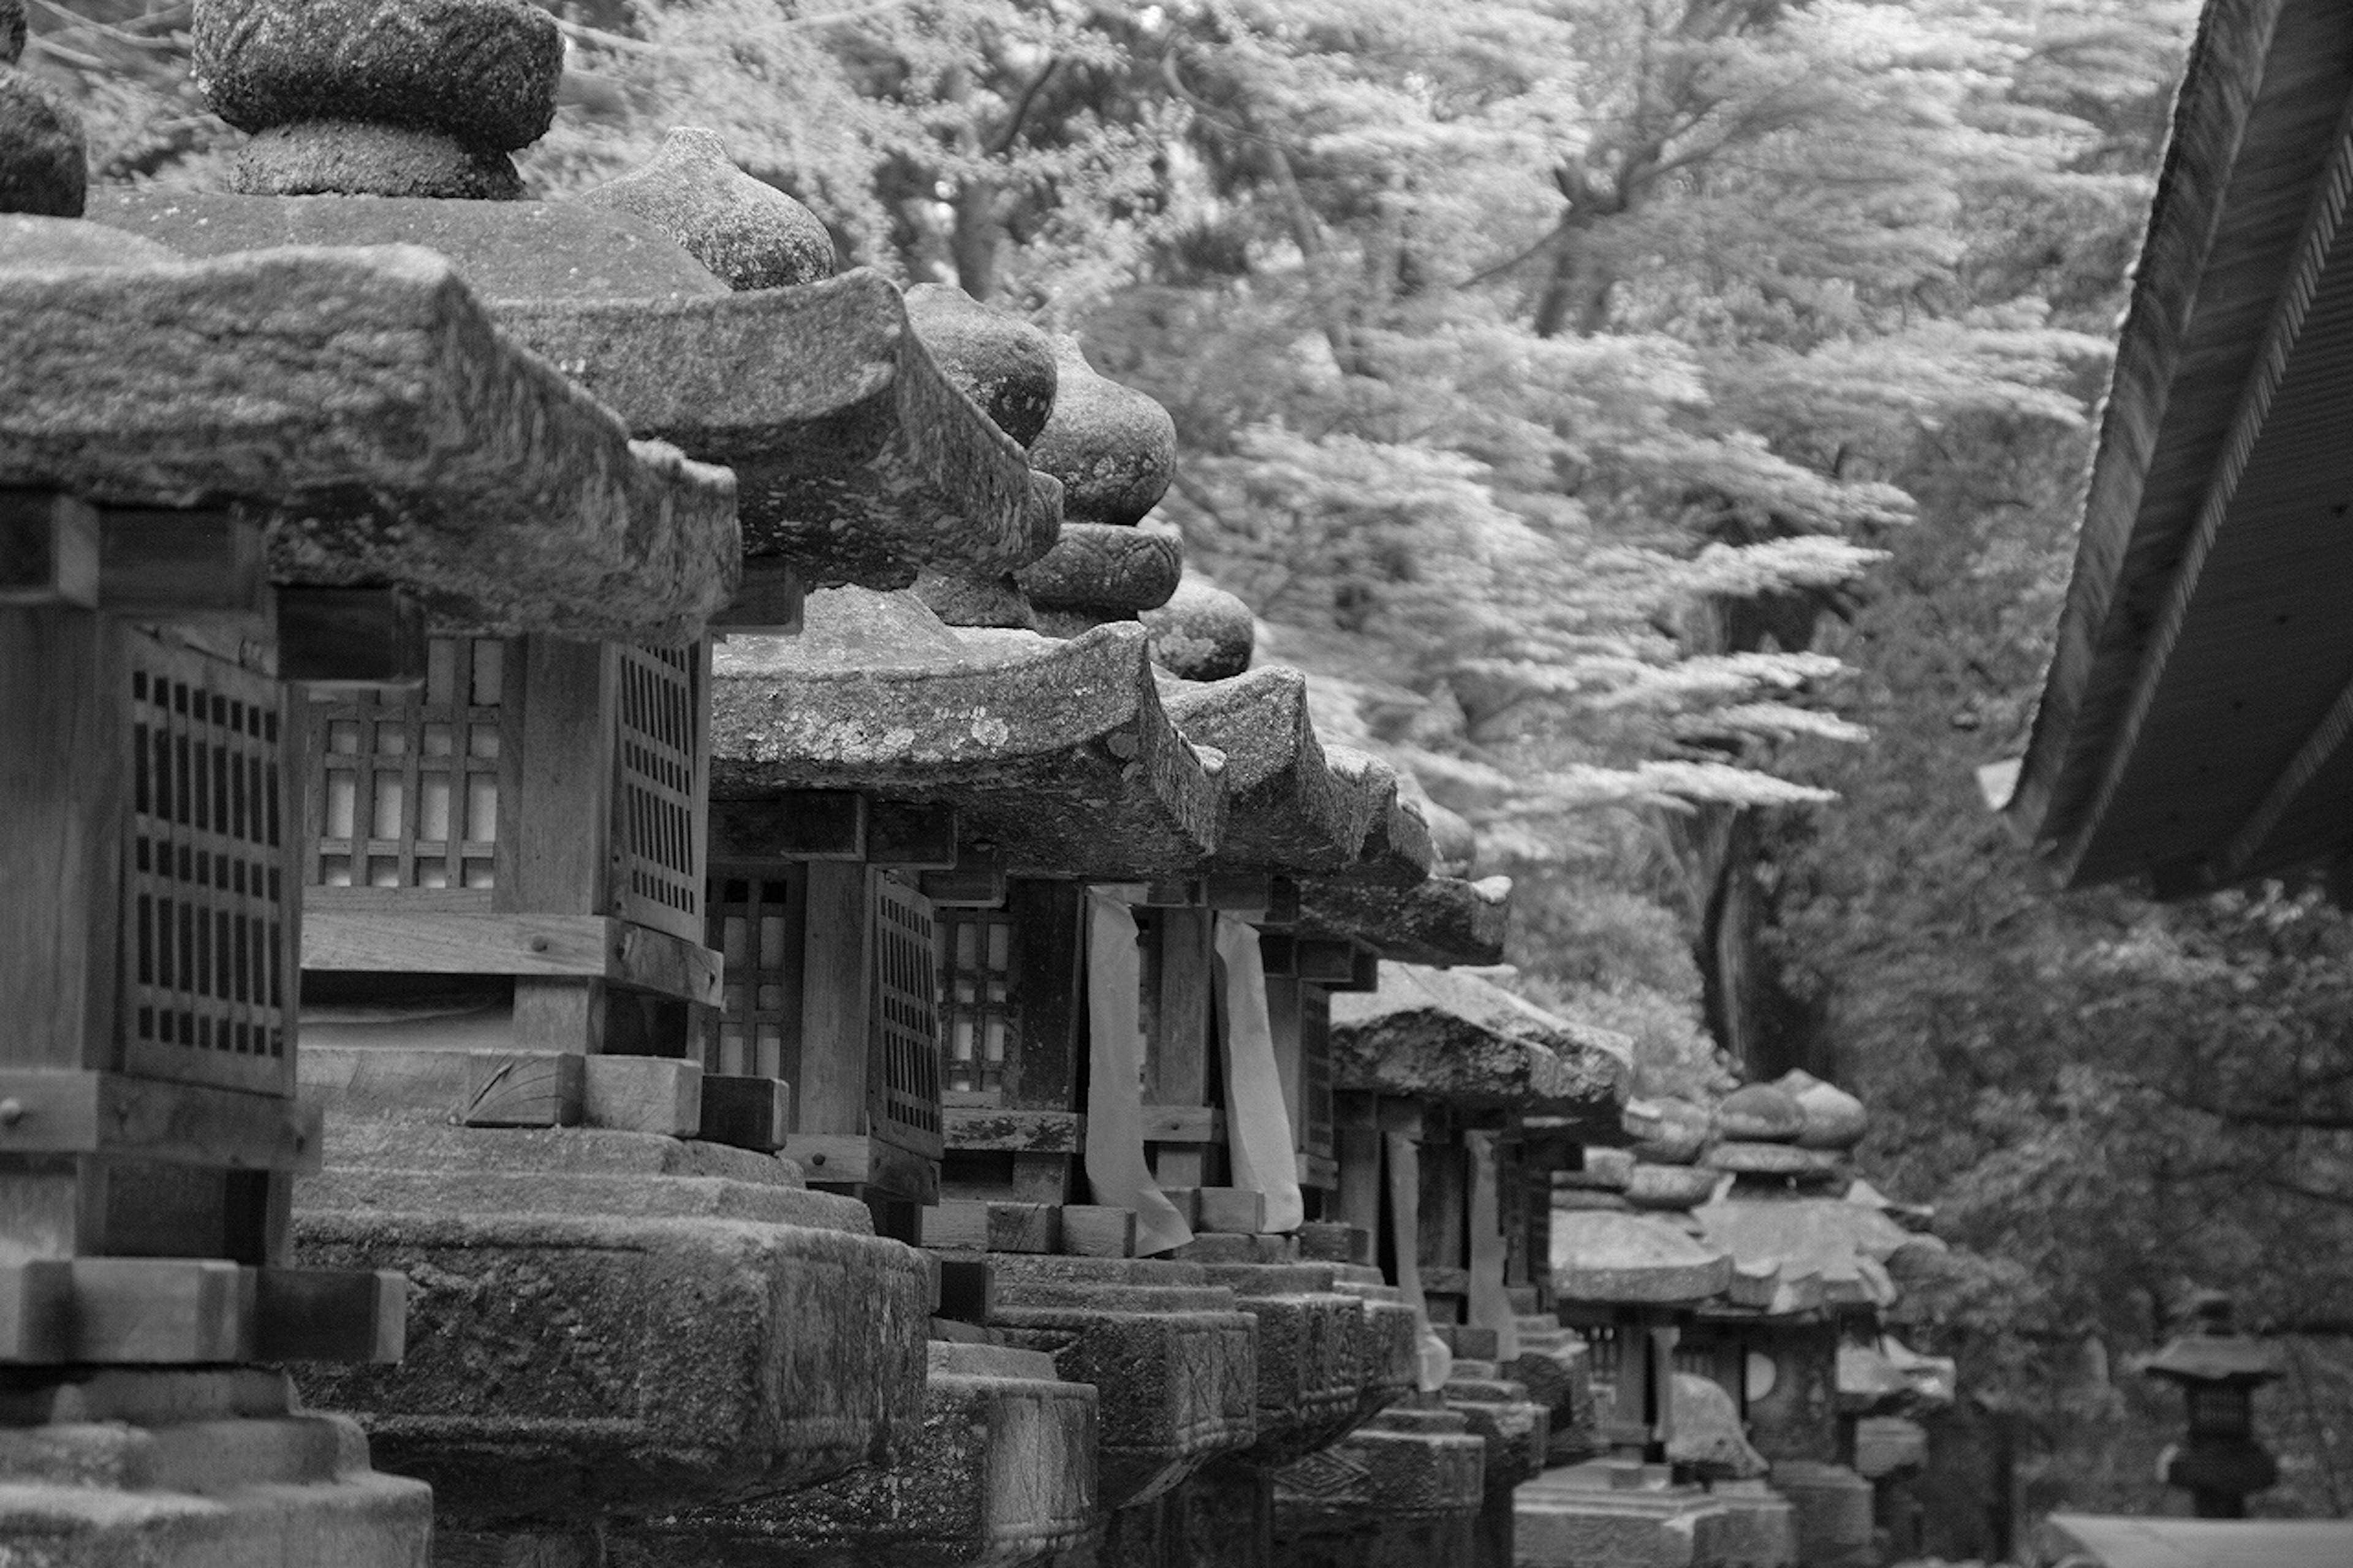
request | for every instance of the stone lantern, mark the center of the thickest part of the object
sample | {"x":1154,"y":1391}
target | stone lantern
{"x":2219,"y":1370}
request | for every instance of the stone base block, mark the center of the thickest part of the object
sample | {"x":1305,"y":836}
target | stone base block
{"x":198,"y":1469}
{"x":1311,"y":1356}
{"x":1001,"y":1474}
{"x":1172,"y":1358}
{"x":1762,"y":1529}
{"x":1605,"y":1515}
{"x":1404,"y":1490}
{"x":1833,"y":1510}
{"x":566,"y":1363}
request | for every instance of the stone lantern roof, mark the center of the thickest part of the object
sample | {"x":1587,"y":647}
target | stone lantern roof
{"x":1456,"y":1039}
{"x":1443,"y":921}
{"x":1605,"y":1257}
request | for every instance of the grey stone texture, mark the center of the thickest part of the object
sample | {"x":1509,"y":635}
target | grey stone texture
{"x":993,"y":357}
{"x":12,"y":31}
{"x":747,"y":232}
{"x":1606,"y":1515}
{"x":1406,"y":1489}
{"x":1668,"y":1131}
{"x":485,"y":71}
{"x":1833,"y":1510}
{"x":1847,"y":1247}
{"x":1058,"y":755}
{"x":44,"y":155}
{"x":958,"y":600}
{"x":1775,"y":1160}
{"x":1202,"y":633}
{"x":1443,"y":920}
{"x":361,"y":158}
{"x":1556,"y":1366}
{"x":1759,"y":1113}
{"x":1114,"y":448}
{"x":1311,"y":1356}
{"x":1650,"y":1186}
{"x":1287,"y":812}
{"x":1632,"y":1259}
{"x":28,"y":244}
{"x":1707,"y":1437}
{"x":1833,"y":1118}
{"x":1607,"y":1170}
{"x":1095,"y":565}
{"x":1461,"y":1040}
{"x":362,"y":403}
{"x":1397,"y":851}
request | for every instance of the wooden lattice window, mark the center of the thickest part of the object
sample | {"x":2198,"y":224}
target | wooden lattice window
{"x":1606,"y":1345}
{"x":757,"y":923}
{"x":1315,"y":1069}
{"x":975,"y":996}
{"x":657,"y":789}
{"x":906,"y":1027}
{"x":205,"y":880}
{"x":407,"y":783}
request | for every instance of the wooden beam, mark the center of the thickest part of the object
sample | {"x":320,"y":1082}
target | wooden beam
{"x":167,"y":565}
{"x":1240,"y":892}
{"x":912,"y":837}
{"x":1282,"y":905}
{"x":351,"y":1316}
{"x":1172,"y":893}
{"x":973,"y":885}
{"x":836,"y":1160}
{"x":592,"y":947}
{"x":796,"y":824}
{"x":967,"y":1292}
{"x":351,"y":637}
{"x":1022,"y":1131}
{"x":523,"y":1088}
{"x":643,"y":1094}
{"x":748,"y":1112}
{"x":1098,"y":1230}
{"x":48,"y":549}
{"x":1329,"y":960}
{"x":970,"y":1225}
{"x":47,"y":1111}
{"x":1278,"y":954}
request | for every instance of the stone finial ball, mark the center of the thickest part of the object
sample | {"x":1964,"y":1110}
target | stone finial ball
{"x":1114,"y":448}
{"x":993,"y":357}
{"x":1202,"y":633}
{"x":12,"y":31}
{"x":747,"y":232}
{"x":482,"y":71}
{"x":44,"y":159}
{"x":1761,"y":1113}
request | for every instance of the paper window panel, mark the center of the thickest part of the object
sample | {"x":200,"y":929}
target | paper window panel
{"x":406,"y":784}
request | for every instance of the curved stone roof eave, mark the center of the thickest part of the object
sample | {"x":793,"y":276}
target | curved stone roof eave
{"x":1441,"y":922}
{"x":1464,"y":1041}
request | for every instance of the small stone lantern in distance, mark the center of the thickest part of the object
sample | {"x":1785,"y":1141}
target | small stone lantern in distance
{"x":2218,"y":1369}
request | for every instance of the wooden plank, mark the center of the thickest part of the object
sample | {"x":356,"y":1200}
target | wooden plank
{"x":352,"y":1316}
{"x":559,"y":1015}
{"x":1047,"y":994}
{"x":837,"y":995}
{"x":48,"y":549}
{"x":1233,"y":1210}
{"x":342,"y":637}
{"x":1184,"y":1124}
{"x":168,"y":1311}
{"x":1042,"y":1178}
{"x":166,"y":564}
{"x":854,"y":1160}
{"x":910,"y":836}
{"x":642,"y":1094}
{"x":1325,"y":961}
{"x":1278,"y":954}
{"x":1368,"y":971}
{"x":796,"y":824}
{"x":1186,"y":1202}
{"x":556,"y":857}
{"x":1178,"y":1057}
{"x":1172,"y":893}
{"x":1033,"y":1131}
{"x":967,"y":1292}
{"x":968,"y":1225}
{"x":973,"y":885}
{"x":770,"y":601}
{"x":1335,"y":1241}
{"x":746,"y":1110}
{"x":1359,"y":1188}
{"x":37,"y":1311}
{"x":1098,"y":1230}
{"x":45,"y":1112}
{"x":1282,"y":905}
{"x":1320,"y":1172}
{"x":522,"y":1089}
{"x":1238,"y":892}
{"x":65,"y":767}
{"x":603,"y":947}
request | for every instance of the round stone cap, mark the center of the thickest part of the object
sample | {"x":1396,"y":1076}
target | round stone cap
{"x":1096,"y":565}
{"x":1760,"y":1113}
{"x":359,"y":158}
{"x":993,"y":357}
{"x":484,"y":71}
{"x":1774,"y":1160}
{"x":1668,"y":1131}
{"x":1670,"y":1186}
{"x":1833,"y":1118}
{"x":44,"y":160}
{"x":1202,"y":633}
{"x":747,"y":232}
{"x":1114,"y":448}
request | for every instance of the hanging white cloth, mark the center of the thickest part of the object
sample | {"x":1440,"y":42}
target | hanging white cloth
{"x":1491,"y":1305}
{"x":1258,"y":1120}
{"x":1434,"y":1361}
{"x":1116,"y":1170}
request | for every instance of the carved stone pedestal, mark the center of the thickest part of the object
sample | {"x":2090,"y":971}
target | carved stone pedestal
{"x":1402,"y":1491}
{"x":212,"y":1469}
{"x":1616,"y":1514}
{"x":1513,"y":1428}
{"x":1556,"y":1367}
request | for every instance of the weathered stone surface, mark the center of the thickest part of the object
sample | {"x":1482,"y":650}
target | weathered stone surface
{"x":1595,"y":1515}
{"x":1461,"y":1040}
{"x":1502,"y":1417}
{"x":1443,"y":920}
{"x":1114,"y":448}
{"x":563,"y":1363}
{"x":483,"y":71}
{"x":1584,"y":1199}
{"x":1759,"y":1113}
{"x":747,"y":232}
{"x":1058,"y":755}
{"x":504,"y":251}
{"x":1202,"y":633}
{"x":1001,"y":1473}
{"x":1097,"y":566}
{"x":1651,"y":1186}
{"x":1887,"y":1444}
{"x":993,"y":357}
{"x":1833,"y":1118}
{"x":28,"y":244}
{"x":1454,"y":845}
{"x":962,"y":601}
{"x":1833,"y":1508}
{"x":1556,"y":1367}
{"x":360,"y":158}
{"x":44,"y":156}
{"x":1668,"y":1131}
{"x":1173,"y":1359}
{"x":1077,"y":621}
{"x":1845,"y":1245}
{"x":1406,"y":1466}
{"x":1396,"y":850}
{"x":1633,"y":1258}
{"x":1286,"y":812}
{"x":12,"y":31}
{"x":1775,"y":1160}
{"x":363,"y":404}
{"x":1609,"y":1170}
{"x":1707,"y":1435}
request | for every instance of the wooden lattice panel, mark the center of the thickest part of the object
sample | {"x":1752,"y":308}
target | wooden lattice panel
{"x":657,"y":791}
{"x":405,"y":785}
{"x":1606,"y":1345}
{"x":757,"y":923}
{"x":208,"y":945}
{"x":977,"y":1022}
{"x":905,"y":1024}
{"x":1315,"y":1069}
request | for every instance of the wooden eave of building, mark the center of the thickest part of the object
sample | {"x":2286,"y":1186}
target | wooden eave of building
{"x":856,"y":461}
{"x":2193,"y":717}
{"x":1456,"y":1039}
{"x":360,"y":403}
{"x":1058,"y":757}
{"x":1439,"y":922}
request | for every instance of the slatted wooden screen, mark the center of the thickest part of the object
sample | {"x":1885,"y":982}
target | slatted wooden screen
{"x":1315,"y":1069}
{"x":406,"y":784}
{"x":659,"y":760}
{"x":977,"y":952}
{"x":906,"y":1090}
{"x":209,"y":946}
{"x":757,"y":923}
